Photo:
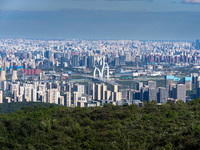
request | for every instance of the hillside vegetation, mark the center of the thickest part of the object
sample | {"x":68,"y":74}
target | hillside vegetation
{"x":169,"y":126}
{"x":12,"y":107}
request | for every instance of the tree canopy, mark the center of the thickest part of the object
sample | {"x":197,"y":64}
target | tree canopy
{"x":167,"y":126}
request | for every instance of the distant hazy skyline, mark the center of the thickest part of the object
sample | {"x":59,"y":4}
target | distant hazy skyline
{"x":100,"y":19}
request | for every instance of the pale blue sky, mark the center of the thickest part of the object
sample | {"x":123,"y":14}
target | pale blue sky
{"x":100,"y":19}
{"x":121,"y":5}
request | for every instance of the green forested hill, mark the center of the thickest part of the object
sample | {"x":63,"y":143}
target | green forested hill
{"x":170,"y":126}
{"x":12,"y":107}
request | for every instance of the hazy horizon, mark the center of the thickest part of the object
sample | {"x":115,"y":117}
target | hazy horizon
{"x":107,"y":20}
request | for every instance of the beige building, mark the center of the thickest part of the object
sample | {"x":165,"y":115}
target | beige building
{"x":67,"y":99}
{"x":98,"y":92}
{"x":103,"y":91}
{"x":80,"y":103}
{"x":115,"y":88}
{"x":75,"y":98}
{"x":108,"y":95}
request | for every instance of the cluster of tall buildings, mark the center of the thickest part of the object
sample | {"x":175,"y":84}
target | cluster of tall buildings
{"x":44,"y":54}
{"x":67,"y":94}
{"x":25,"y":57}
{"x":151,"y":92}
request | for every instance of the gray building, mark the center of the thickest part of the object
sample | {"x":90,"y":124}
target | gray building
{"x":180,"y":92}
{"x":144,"y":94}
{"x":171,"y":90}
{"x":162,"y":95}
{"x":152,"y":84}
{"x":152,"y":94}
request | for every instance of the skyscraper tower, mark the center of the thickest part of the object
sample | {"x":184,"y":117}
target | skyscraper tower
{"x":180,"y":92}
{"x":14,"y":75}
{"x":3,"y":75}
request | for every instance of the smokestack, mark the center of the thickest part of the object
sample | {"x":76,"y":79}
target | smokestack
{"x":14,"y":75}
{"x":3,"y":75}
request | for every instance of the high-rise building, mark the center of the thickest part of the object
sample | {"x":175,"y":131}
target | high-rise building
{"x":52,"y":96}
{"x":108,"y":95}
{"x":90,"y":61}
{"x":42,"y":88}
{"x":91,"y":90}
{"x":80,"y":89}
{"x":152,"y":94}
{"x":15,"y":87}
{"x":83,"y":61}
{"x":33,"y":95}
{"x":181,"y":92}
{"x":115,"y":88}
{"x":47,"y":54}
{"x":2,"y":75}
{"x":19,"y":98}
{"x":122,"y":59}
{"x":67,"y":99}
{"x":131,"y":94}
{"x":144,"y":93}
{"x":69,"y":87}
{"x":139,"y":85}
{"x":116,"y":61}
{"x":188,"y":83}
{"x":61,"y":100}
{"x":28,"y":92}
{"x":116,"y":96}
{"x":124,"y":94}
{"x":14,"y":75}
{"x":75,"y":60}
{"x":15,"y":94}
{"x":152,"y":84}
{"x":171,"y":90}
{"x":163,"y":95}
{"x":169,"y":80}
{"x":98,"y":92}
{"x":75,"y":98}
{"x":103,"y":90}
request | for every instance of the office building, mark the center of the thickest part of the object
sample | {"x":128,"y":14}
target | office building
{"x":152,"y":94}
{"x":151,"y":84}
{"x":90,"y":61}
{"x":67,"y":99}
{"x":14,"y":75}
{"x":163,"y":95}
{"x":52,"y":96}
{"x":75,"y":60}
{"x":108,"y":95}
{"x":115,"y":88}
{"x":91,"y":90}
{"x":171,"y":90}
{"x":103,"y":90}
{"x":80,"y":89}
{"x":188,"y":83}
{"x":139,"y":85}
{"x":75,"y":98}
{"x":180,"y":92}
{"x":98,"y":92}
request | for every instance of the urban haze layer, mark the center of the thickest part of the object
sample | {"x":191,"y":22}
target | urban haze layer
{"x":89,"y":73}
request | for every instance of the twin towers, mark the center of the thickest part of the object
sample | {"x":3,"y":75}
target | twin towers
{"x":101,"y":72}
